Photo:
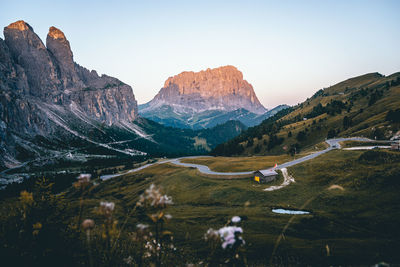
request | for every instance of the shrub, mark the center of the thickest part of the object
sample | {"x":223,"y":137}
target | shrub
{"x":393,"y":116}
{"x":331,"y":133}
{"x":301,"y":136}
{"x":346,"y":122}
{"x":380,"y":157}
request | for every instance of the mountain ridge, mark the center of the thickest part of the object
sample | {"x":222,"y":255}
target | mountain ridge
{"x":166,"y":115}
{"x":217,"y":92}
{"x":359,"y":106}
{"x":219,"y":88}
{"x":52,"y":109}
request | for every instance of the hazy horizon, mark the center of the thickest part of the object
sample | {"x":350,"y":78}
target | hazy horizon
{"x":287,"y":51}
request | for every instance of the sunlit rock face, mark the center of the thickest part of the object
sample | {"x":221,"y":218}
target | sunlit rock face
{"x":29,"y":52}
{"x":38,"y":80}
{"x":60,"y":49}
{"x":221,"y":88}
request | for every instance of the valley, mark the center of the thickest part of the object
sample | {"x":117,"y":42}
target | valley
{"x":193,"y":166}
{"x":199,"y":206}
{"x":343,"y":219}
{"x":240,"y":166}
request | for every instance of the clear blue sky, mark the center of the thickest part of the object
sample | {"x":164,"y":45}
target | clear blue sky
{"x":286,"y":49}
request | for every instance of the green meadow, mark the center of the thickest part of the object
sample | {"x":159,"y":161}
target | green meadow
{"x":355,"y":223}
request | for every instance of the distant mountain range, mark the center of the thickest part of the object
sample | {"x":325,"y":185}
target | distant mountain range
{"x":205,"y":99}
{"x":53,"y":109}
{"x":367,"y":105}
{"x":168,"y":116}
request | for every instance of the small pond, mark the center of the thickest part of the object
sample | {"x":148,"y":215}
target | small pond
{"x":283,"y":211}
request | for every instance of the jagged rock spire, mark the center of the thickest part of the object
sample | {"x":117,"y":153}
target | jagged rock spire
{"x":31,"y":54}
{"x":60,"y":48}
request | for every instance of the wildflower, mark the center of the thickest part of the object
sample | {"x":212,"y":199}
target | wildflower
{"x":168,"y":216}
{"x":151,"y":248}
{"x":236,"y":219}
{"x":211,"y":234}
{"x":230,"y":236}
{"x":84,"y":177}
{"x":107,"y":205}
{"x":141,"y":226}
{"x":26,"y":198}
{"x":36,"y":228}
{"x":88,"y":224}
{"x":106,"y":208}
{"x":128,"y":260}
{"x":153,"y":197}
{"x":165,"y":200}
{"x":83,"y":181}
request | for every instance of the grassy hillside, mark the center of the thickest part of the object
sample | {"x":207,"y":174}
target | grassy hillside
{"x":358,"y":223}
{"x":367,"y":105}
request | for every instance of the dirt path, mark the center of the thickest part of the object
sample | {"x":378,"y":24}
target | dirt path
{"x":287,"y":179}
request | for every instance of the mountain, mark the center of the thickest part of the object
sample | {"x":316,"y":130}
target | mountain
{"x":204,"y":99}
{"x":40,"y":85}
{"x":366,"y":105}
{"x":53,"y":109}
{"x":221,"y":88}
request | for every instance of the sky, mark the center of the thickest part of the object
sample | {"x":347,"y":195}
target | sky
{"x":286,"y":49}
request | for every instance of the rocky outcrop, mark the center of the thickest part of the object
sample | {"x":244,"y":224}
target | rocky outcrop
{"x":29,"y":52}
{"x":221,"y":88}
{"x":37,"y":82}
{"x":59,"y":47}
{"x":50,"y":74}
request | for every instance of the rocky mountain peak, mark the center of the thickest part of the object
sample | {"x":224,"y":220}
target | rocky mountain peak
{"x":220,"y":88}
{"x":50,"y":75}
{"x":185,"y":79}
{"x":19,"y":25}
{"x":30,"y":53}
{"x":55,"y":33}
{"x":60,"y":48}
{"x":43,"y":92}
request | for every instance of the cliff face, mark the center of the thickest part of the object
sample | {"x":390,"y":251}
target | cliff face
{"x":204,"y":99}
{"x":221,"y":88}
{"x":38,"y":83}
{"x":53,"y":76}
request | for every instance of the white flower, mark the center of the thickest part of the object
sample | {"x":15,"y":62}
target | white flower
{"x":168,"y":216}
{"x":211,"y":234}
{"x":165,"y":200}
{"x":128,"y":260}
{"x":153,"y":197}
{"x":88,"y":224}
{"x":230,"y":235}
{"x":236,"y":219}
{"x":141,"y":226}
{"x":84,"y":177}
{"x":107,"y":207}
{"x":83,"y":181}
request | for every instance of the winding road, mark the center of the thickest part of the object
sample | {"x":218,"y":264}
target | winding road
{"x":333,"y":144}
